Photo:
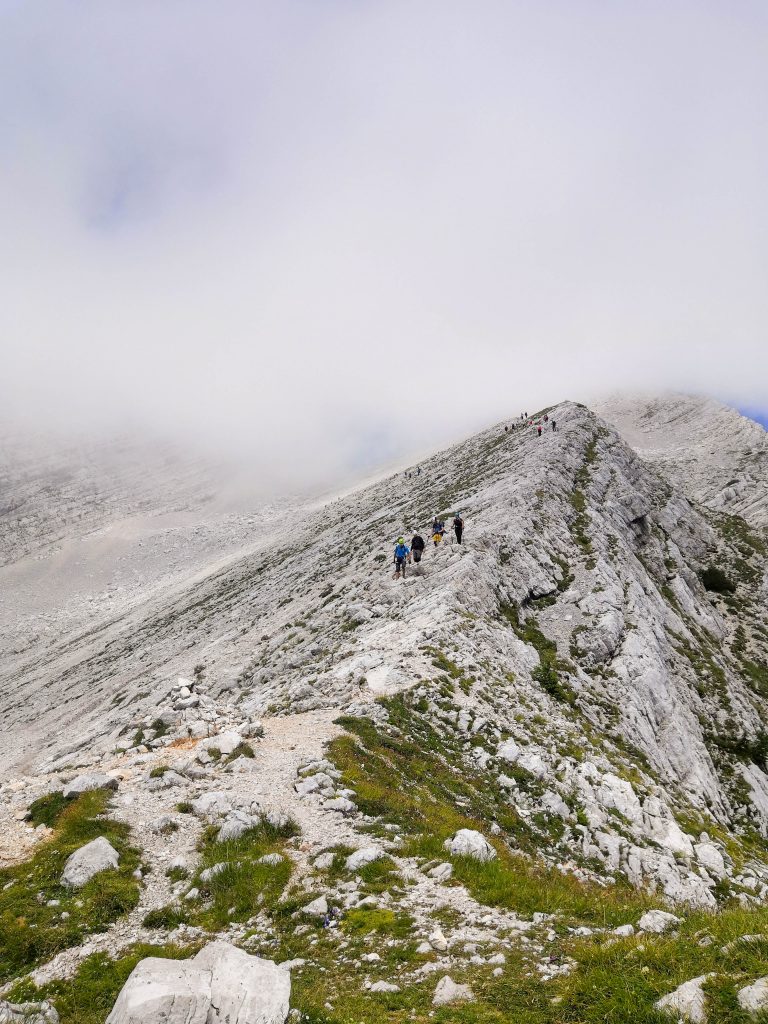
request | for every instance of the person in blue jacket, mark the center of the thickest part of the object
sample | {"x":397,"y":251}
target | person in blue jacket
{"x":402,"y":555}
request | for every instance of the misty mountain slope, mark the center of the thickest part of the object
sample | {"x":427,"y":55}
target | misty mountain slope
{"x":89,"y":530}
{"x":562,"y":685}
{"x":714,"y":454}
{"x":569,"y":531}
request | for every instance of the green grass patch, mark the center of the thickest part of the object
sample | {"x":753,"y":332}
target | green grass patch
{"x":244,"y":886}
{"x":30,"y":930}
{"x":547,"y":673}
{"x":165,"y":917}
{"x":415,"y":782}
{"x":47,"y":810}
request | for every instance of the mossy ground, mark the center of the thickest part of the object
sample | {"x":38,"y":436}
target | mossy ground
{"x":30,"y":930}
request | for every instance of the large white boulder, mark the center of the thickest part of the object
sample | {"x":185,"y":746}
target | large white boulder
{"x":220,"y":985}
{"x":687,"y":1002}
{"x":754,"y":997}
{"x":87,"y":782}
{"x":469,"y":843}
{"x":167,"y":991}
{"x":708,"y":855}
{"x":225,"y":742}
{"x":89,"y":860}
{"x":244,"y":989}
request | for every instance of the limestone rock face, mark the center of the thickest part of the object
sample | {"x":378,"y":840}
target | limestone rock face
{"x":89,"y":860}
{"x":220,"y":985}
{"x":567,"y":681}
{"x":27,"y":1013}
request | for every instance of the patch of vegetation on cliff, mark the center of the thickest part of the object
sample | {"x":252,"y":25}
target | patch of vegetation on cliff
{"x":414,"y":778}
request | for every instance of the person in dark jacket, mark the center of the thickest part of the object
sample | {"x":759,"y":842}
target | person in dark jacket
{"x":417,"y":547}
{"x":458,"y":527}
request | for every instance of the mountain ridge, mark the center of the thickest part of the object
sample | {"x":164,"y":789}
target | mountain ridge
{"x":564,"y":684}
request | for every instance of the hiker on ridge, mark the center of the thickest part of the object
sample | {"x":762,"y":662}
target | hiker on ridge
{"x":417,"y":547}
{"x":402,"y":554}
{"x":458,"y":527}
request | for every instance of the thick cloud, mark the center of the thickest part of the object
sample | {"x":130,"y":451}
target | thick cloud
{"x":320,"y":233}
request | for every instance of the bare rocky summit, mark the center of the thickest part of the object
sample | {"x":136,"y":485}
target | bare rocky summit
{"x":540,"y":755}
{"x":712,"y":453}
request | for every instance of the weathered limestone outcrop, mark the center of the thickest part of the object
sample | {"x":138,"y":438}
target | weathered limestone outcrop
{"x":220,"y":985}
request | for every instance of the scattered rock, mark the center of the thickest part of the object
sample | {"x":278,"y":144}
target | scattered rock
{"x":447,"y":991}
{"x":657,"y":921}
{"x":215,"y":869}
{"x":754,"y":997}
{"x":688,"y":1001}
{"x":317,"y":908}
{"x":441,"y":872}
{"x":384,"y":986}
{"x":214,"y":804}
{"x":469,"y":843}
{"x":438,"y":941}
{"x":624,"y":930}
{"x":28,"y":1013}
{"x":236,"y":826}
{"x":363,"y":856}
{"x":340,"y":804}
{"x":89,"y":860}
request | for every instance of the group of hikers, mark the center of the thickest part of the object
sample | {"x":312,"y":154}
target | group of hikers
{"x":413,"y":552}
{"x":539,"y":424}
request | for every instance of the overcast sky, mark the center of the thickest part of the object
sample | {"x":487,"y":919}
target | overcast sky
{"x":322,"y":233}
